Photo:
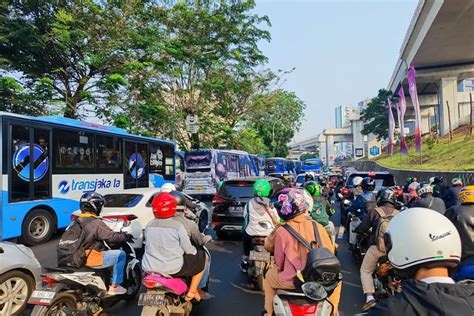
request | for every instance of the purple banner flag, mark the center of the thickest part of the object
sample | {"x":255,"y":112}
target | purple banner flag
{"x":391,"y":127}
{"x":416,"y":105}
{"x":402,"y":108}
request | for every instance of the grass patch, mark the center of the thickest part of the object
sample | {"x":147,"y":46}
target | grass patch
{"x":455,"y":155}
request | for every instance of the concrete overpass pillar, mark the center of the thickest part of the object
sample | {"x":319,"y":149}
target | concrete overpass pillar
{"x":358,"y":150}
{"x":330,"y":150}
{"x":448,"y":91}
{"x":322,"y":149}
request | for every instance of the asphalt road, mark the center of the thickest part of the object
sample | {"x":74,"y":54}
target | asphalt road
{"x":229,"y":285}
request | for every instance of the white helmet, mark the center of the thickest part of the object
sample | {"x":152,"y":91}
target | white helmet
{"x":357,"y":181}
{"x":168,"y":187}
{"x":420,"y":235}
{"x":309,"y":201}
{"x":426,"y":188}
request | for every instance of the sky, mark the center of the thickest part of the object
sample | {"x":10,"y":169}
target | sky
{"x":343,"y":51}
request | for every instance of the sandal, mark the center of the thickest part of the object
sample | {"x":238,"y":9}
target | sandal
{"x":192,"y":296}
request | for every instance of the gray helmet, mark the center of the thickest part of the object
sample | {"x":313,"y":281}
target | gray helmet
{"x":92,"y":202}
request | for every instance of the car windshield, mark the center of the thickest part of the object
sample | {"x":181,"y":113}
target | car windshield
{"x":122,"y":200}
{"x":381,"y":180}
{"x":237,"y":190}
{"x":197,"y":159}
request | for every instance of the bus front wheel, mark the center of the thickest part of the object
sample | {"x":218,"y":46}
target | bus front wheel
{"x":38,"y":227}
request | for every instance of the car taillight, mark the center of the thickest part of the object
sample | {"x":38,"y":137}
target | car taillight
{"x":217,"y":200}
{"x":124,"y":218}
{"x":73,"y":217}
{"x":371,"y":175}
{"x":303,"y":310}
{"x":48,"y":280}
{"x":151,"y":284}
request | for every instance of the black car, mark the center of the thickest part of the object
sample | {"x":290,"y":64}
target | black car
{"x":229,"y":203}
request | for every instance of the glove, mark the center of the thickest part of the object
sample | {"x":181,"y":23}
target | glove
{"x":130,"y":237}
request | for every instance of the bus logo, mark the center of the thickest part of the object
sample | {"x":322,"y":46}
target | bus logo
{"x":136,"y":166}
{"x":21,"y":162}
{"x":63,"y":187}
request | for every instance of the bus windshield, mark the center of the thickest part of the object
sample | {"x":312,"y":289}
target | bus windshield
{"x":197,"y":159}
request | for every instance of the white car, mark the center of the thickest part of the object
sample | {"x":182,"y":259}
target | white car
{"x":130,"y":211}
{"x":19,"y":277}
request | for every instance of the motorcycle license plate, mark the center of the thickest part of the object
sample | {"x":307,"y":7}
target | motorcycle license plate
{"x":199,"y":187}
{"x":259,"y":255}
{"x":41,"y":297}
{"x":147,"y":299}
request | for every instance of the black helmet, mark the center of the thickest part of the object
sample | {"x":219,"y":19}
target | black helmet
{"x":368,"y":184}
{"x":308,"y":177}
{"x":91,"y":202}
{"x":180,"y":200}
{"x":386,"y":196}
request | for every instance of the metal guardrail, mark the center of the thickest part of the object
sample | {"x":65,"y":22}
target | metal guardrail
{"x":402,"y":174}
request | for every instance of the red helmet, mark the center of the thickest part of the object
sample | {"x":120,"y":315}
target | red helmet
{"x":164,"y":205}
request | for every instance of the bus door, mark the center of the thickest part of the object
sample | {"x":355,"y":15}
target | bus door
{"x":136,"y":165}
{"x":29,"y":163}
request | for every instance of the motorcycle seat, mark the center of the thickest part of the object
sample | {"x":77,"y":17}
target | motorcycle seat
{"x":73,"y":269}
{"x":176,"y":285}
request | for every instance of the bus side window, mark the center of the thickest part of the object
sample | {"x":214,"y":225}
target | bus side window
{"x":73,"y":151}
{"x":109,"y":158}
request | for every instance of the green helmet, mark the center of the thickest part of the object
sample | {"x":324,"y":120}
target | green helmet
{"x":313,"y":188}
{"x":457,"y":182}
{"x":262,"y":188}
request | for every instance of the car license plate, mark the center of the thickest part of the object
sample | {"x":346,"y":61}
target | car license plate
{"x":148,"y":299}
{"x":199,"y":187}
{"x":41,"y":297}
{"x":236,"y":209}
{"x":259,"y":255}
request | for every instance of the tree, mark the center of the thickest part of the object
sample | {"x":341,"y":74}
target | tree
{"x":79,"y":47}
{"x":280,"y":121}
{"x":375,"y":115}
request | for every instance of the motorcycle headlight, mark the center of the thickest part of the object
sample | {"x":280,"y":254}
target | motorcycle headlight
{"x":27,"y":251}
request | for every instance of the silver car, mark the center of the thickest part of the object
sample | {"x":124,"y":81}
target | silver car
{"x":19,"y":277}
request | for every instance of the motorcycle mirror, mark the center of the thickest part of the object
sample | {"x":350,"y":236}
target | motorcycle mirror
{"x":266,"y":225}
{"x":314,"y":291}
{"x":126,"y":223}
{"x":347,"y":202}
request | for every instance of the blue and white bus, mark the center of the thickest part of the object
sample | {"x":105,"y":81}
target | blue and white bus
{"x":312,"y":164}
{"x":48,"y":162}
{"x":206,"y":167}
{"x":276,"y":165}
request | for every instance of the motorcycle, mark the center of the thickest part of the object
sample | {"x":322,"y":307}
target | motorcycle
{"x":360,"y":247}
{"x":83,"y":291}
{"x":312,"y":300}
{"x":165,"y":295}
{"x":259,"y":260}
{"x":386,"y":283}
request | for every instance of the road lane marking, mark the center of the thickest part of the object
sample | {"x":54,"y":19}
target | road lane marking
{"x":341,"y":232}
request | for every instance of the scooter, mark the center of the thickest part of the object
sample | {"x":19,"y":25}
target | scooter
{"x":259,"y":260}
{"x":165,"y":295}
{"x":312,"y":300}
{"x":359,"y":249}
{"x":83,"y":291}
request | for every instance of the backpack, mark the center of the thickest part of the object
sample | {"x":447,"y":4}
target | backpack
{"x":71,"y":250}
{"x":319,"y":214}
{"x":322,"y":266}
{"x":382,"y":227}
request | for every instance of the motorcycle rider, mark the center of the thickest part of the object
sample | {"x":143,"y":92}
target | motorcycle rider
{"x":290,"y":255}
{"x":322,"y":210}
{"x":451,"y":198}
{"x":439,"y":188}
{"x":258,"y":209}
{"x":96,"y":233}
{"x":427,"y":200}
{"x":362,"y":204}
{"x":386,"y":202}
{"x":462,"y":217}
{"x":434,"y":251}
{"x":197,"y":239}
{"x":410,"y":180}
{"x":168,"y":249}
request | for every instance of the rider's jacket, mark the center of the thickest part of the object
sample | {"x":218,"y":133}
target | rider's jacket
{"x":431,"y":202}
{"x":451,"y":198}
{"x":420,"y":298}
{"x":96,"y":232}
{"x":363,"y":202}
{"x":257,"y":213}
{"x":192,"y":229}
{"x":462,"y":217}
{"x":166,"y":243}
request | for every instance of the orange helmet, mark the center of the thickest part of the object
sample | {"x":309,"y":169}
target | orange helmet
{"x":164,"y":205}
{"x":466,"y":195}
